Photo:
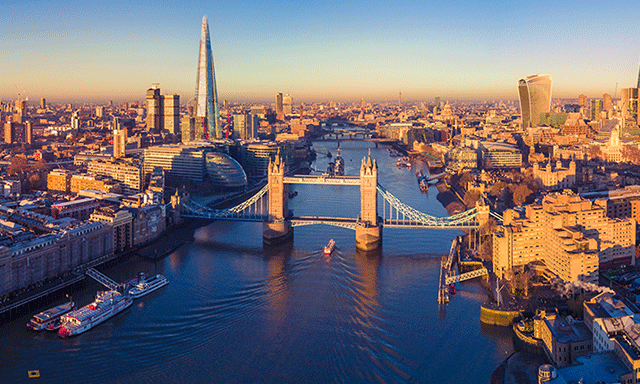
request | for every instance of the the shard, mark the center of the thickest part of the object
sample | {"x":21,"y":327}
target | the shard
{"x":206,"y":109}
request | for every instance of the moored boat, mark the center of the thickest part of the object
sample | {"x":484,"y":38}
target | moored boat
{"x":106,"y":305}
{"x":148,"y":285}
{"x":50,"y":319}
{"x":329,"y":247}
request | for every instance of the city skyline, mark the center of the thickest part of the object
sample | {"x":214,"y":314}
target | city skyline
{"x":90,"y":51}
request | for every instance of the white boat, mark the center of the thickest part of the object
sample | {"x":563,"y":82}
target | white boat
{"x":50,"y":319}
{"x":329,"y":247}
{"x":106,"y":305}
{"x":148,"y":285}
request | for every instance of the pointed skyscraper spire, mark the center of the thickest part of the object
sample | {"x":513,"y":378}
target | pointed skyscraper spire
{"x":206,"y":99}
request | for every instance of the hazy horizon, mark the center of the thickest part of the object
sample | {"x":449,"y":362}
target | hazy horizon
{"x":93,"y":52}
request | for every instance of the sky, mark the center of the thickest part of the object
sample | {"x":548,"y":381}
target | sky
{"x":332,"y":50}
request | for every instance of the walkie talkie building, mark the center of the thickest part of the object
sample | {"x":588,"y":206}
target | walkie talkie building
{"x":535,"y":98}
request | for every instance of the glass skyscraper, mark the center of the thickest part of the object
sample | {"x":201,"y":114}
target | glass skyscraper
{"x":535,"y":98}
{"x":206,"y":99}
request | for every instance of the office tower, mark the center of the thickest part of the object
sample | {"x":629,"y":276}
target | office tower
{"x":607,"y":103}
{"x":279,"y":106}
{"x":119,"y":143}
{"x":638,"y":84}
{"x":240,"y":126}
{"x":630,"y":103}
{"x":100,"y":112}
{"x":163,"y":111}
{"x":438,"y":101}
{"x":287,"y":104}
{"x":20,"y":111}
{"x":28,"y":132}
{"x":399,"y":98}
{"x":10,"y":132}
{"x":75,"y":121}
{"x":154,"y":109}
{"x":206,"y":98}
{"x":582,"y":101}
{"x":171,"y":113}
{"x":43,"y":103}
{"x":596,"y":106}
{"x":301,"y":110}
{"x":535,"y":98}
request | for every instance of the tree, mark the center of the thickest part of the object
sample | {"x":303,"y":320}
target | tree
{"x":36,"y":181}
{"x":521,"y":193}
{"x":631,"y":153}
{"x":41,"y":166}
{"x":496,"y":189}
{"x":18,"y":165}
{"x":464,"y":180}
{"x":595,"y":152}
{"x":471,"y":197}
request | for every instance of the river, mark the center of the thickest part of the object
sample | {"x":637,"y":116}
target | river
{"x":235,"y":312}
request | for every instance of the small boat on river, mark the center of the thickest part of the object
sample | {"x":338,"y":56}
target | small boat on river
{"x":329,"y":247}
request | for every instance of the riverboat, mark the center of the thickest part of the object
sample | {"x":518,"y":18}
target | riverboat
{"x":106,"y":305}
{"x":146,"y":286}
{"x":404,"y":162}
{"x":50,"y":319}
{"x":329,"y":247}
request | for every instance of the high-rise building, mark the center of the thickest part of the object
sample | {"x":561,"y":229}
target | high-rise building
{"x":154,"y":108}
{"x":100,"y":112}
{"x":28,"y":132}
{"x":171,"y":113}
{"x":582,"y":101}
{"x":279,"y":106}
{"x":10,"y":132}
{"x":287,"y":104}
{"x":607,"y":103}
{"x":43,"y":103}
{"x":535,"y":98}
{"x":596,"y":106}
{"x":206,"y":97}
{"x":630,"y":103}
{"x":119,"y":140}
{"x":163,"y":111}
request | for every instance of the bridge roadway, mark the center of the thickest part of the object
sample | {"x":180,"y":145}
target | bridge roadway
{"x":322,"y":179}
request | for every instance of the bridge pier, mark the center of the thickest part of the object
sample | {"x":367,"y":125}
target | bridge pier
{"x":276,"y":233}
{"x":368,"y":238}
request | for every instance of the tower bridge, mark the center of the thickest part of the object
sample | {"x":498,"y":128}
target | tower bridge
{"x":270,"y":206}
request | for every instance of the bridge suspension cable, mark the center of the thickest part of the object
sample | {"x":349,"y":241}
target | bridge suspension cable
{"x":413,"y":216}
{"x":248,"y":209}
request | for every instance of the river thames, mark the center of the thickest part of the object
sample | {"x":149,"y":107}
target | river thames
{"x":235,"y":312}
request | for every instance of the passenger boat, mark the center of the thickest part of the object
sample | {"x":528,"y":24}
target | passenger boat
{"x":50,"y":319}
{"x":329,"y":247}
{"x":146,"y":286}
{"x":452,"y":289}
{"x":404,"y":162}
{"x":106,"y":305}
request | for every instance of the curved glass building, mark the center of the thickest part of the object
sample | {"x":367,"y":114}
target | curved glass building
{"x":535,"y":98}
{"x":224,"y":171}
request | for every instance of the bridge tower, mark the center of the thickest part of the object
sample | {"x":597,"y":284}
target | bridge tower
{"x":277,"y":228}
{"x":368,"y":229}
